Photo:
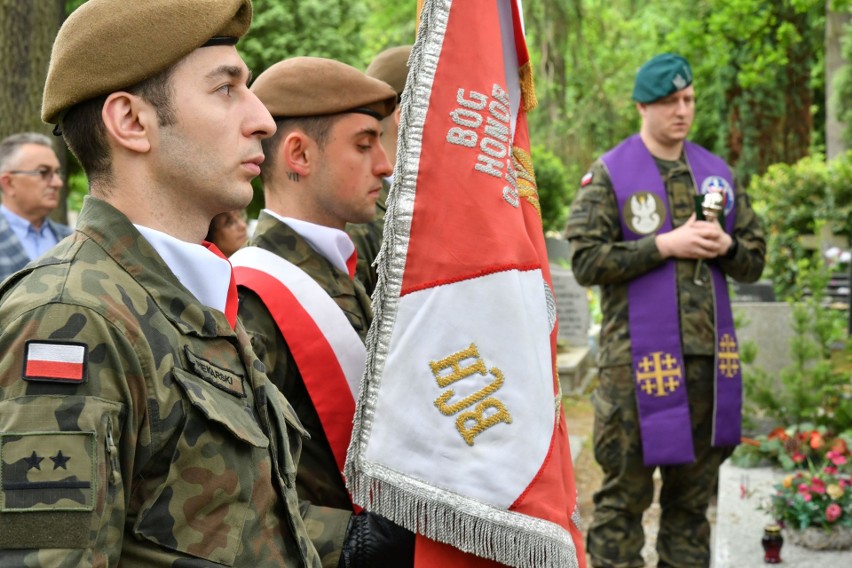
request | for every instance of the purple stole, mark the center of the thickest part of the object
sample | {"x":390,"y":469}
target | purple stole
{"x":655,"y":339}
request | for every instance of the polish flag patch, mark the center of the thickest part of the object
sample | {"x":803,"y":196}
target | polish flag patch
{"x":55,"y":361}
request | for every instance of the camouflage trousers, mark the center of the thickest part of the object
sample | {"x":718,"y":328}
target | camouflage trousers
{"x":616,"y":536}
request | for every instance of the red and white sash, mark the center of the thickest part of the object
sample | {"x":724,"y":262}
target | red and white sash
{"x":326,"y":348}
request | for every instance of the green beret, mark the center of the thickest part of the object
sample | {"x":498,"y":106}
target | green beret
{"x":391,"y":66}
{"x":315,"y":86}
{"x":109,"y":45}
{"x":661,"y":76}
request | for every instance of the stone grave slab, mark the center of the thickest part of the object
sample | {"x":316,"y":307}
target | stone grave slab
{"x":739,"y":524}
{"x":760,"y":291}
{"x":572,"y":307}
{"x":769,"y":326}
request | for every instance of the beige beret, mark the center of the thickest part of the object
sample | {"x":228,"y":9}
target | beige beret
{"x":391,"y":66}
{"x":315,"y":86}
{"x":109,"y":45}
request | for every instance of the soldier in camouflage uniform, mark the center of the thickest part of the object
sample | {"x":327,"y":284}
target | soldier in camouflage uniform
{"x":601,"y":256}
{"x":324,"y":168}
{"x":390,"y":66}
{"x":137,"y":427}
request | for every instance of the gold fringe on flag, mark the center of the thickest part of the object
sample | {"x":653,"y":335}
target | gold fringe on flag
{"x":527,"y":187}
{"x":528,"y":86}
{"x":419,"y":10}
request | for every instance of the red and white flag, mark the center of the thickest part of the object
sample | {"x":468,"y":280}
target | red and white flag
{"x":61,"y":361}
{"x":459,"y":432}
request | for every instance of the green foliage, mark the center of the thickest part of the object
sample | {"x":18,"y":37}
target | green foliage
{"x":843,"y":78}
{"x":78,"y":188}
{"x":287,"y":28}
{"x":554,"y":190}
{"x":586,"y":53}
{"x":389,"y":24}
{"x":758,"y":71}
{"x":812,"y":389}
{"x":798,"y":199}
{"x":71,"y":5}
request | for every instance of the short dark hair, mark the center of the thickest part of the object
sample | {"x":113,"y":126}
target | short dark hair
{"x":85,"y":133}
{"x":317,"y":127}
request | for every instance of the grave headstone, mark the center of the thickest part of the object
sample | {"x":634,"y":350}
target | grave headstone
{"x":769,"y":325}
{"x":760,"y":291}
{"x":572,"y":307}
{"x":558,"y":251}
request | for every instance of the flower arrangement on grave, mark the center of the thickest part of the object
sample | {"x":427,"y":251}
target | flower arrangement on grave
{"x":794,"y":447}
{"x":815,"y":505}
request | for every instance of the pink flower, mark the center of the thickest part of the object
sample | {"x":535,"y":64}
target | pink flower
{"x":798,"y":457}
{"x":836,"y":458}
{"x":818,"y":486}
{"x":833,"y":512}
{"x":830,"y":470}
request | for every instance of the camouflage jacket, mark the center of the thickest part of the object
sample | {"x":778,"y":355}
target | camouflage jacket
{"x":169,"y":448}
{"x":318,"y":481}
{"x":600,"y":256}
{"x":368,"y":241}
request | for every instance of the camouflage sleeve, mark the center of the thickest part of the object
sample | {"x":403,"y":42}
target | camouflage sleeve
{"x":598,"y":253}
{"x":327,"y":527}
{"x":70,"y":424}
{"x":368,"y":240}
{"x":749,"y":255}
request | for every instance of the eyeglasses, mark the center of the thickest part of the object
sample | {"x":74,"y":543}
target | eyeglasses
{"x":45,"y":173}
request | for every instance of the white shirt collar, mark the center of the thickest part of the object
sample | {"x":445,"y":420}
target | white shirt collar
{"x":333,"y":244}
{"x":203,"y":273}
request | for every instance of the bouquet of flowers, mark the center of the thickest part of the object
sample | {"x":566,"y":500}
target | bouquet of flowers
{"x":792,"y":448}
{"x":817,"y":497}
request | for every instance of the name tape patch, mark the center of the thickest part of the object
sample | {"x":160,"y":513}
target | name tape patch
{"x":223,"y":379}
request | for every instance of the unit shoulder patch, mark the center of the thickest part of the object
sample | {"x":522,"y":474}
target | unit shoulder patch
{"x":47,"y":471}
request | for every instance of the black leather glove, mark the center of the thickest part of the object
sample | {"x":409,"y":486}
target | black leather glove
{"x":372,"y":541}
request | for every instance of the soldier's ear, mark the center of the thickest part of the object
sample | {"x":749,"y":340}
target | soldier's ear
{"x":129,"y":120}
{"x":297,"y":153}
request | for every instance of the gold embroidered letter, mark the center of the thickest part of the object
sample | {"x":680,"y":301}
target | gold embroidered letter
{"x":453,"y":362}
{"x":470,"y":400}
{"x":481,"y":422}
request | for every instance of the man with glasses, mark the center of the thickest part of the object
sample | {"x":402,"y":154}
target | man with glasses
{"x":31,"y":183}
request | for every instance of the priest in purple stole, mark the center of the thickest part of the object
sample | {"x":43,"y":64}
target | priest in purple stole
{"x":670,"y":392}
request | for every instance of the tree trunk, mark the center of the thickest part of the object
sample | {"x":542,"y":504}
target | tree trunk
{"x":835,"y":23}
{"x":27,"y":31}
